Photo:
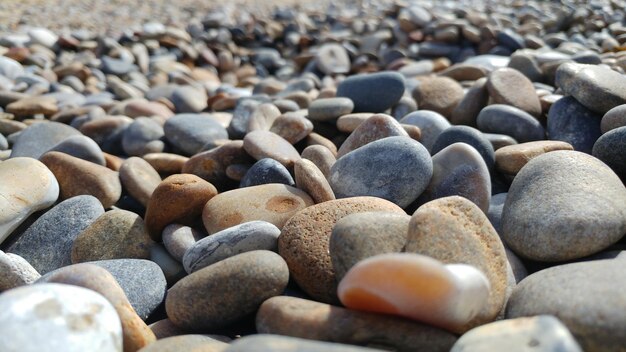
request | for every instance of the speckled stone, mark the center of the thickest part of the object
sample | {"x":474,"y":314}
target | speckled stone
{"x":266,"y":144}
{"x":467,"y":135}
{"x":310,"y":179}
{"x":394,"y":168}
{"x":77,"y":177}
{"x":274,"y":203}
{"x":439,"y":94}
{"x":27,"y":186}
{"x":509,"y":120}
{"x":584,"y":296}
{"x":543,"y":333}
{"x":455,"y":230}
{"x":177,"y":239}
{"x":431,"y":124}
{"x":459,"y":170}
{"x":321,"y":156}
{"x":47,"y":243}
{"x":246,"y":237}
{"x":71,"y":318}
{"x":571,"y":122}
{"x":550,"y":191}
{"x":267,"y":170}
{"x":115,"y":234}
{"x":510,"y":87}
{"x":190,"y":132}
{"x":376,"y":127}
{"x":37,"y":139}
{"x":225,"y":292}
{"x":186,"y":343}
{"x":374,"y":92}
{"x":329,"y":109}
{"x":81,"y":147}
{"x":177,"y":199}
{"x":363,"y":235}
{"x":610,"y":148}
{"x":511,"y":159}
{"x":15,"y":271}
{"x":304,"y":242}
{"x":139,"y":179}
{"x":278,"y":343}
{"x":297,"y":317}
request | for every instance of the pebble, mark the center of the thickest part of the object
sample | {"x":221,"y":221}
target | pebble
{"x":499,"y":140}
{"x":27,"y":186}
{"x":543,"y":332}
{"x":297,"y":317}
{"x":245,"y":237}
{"x":467,"y":135}
{"x":610,"y":149}
{"x":375,"y":92}
{"x":186,"y":343}
{"x":263,"y":117}
{"x":115,"y":234}
{"x":509,"y":120}
{"x":190,"y":132}
{"x":459,"y":169}
{"x":454,"y":230}
{"x":511,"y":159}
{"x":187,"y":99}
{"x":166,"y":163}
{"x":211,"y":165}
{"x":266,"y":144}
{"x":376,"y":127}
{"x":332,"y":59}
{"x":430,"y":123}
{"x":81,"y":147}
{"x":58,"y":317}
{"x":280,"y":343}
{"x":47,"y":243}
{"x":142,"y":137}
{"x":550,"y":191}
{"x":571,"y":122}
{"x":28,"y":106}
{"x":177,"y":199}
{"x":394,"y":284}
{"x":266,"y":170}
{"x":177,"y":239}
{"x":16,"y":271}
{"x":77,"y":176}
{"x":403,"y":170}
{"x":37,"y":139}
{"x":362,"y":235}
{"x":304,"y":242}
{"x":139,"y":179}
{"x":613,"y":118}
{"x":569,"y":292}
{"x":474,"y":100}
{"x":321,"y":156}
{"x":172,"y":268}
{"x":227,"y":291}
{"x":292,"y":127}
{"x":329,"y":109}
{"x":311,"y":180}
{"x":598,"y":88}
{"x":510,"y":87}
{"x":439,"y":94}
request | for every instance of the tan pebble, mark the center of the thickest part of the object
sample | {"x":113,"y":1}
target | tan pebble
{"x":317,"y":139}
{"x":293,"y":127}
{"x":321,"y":157}
{"x":310,"y":179}
{"x":211,"y":165}
{"x":266,"y":144}
{"x":32,"y":106}
{"x":374,"y":128}
{"x":139,"y":179}
{"x":166,"y":163}
{"x":112,"y":162}
{"x":349,"y":122}
{"x":512,"y":158}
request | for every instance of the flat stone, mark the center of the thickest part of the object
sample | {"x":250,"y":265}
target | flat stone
{"x":89,"y":323}
{"x":265,"y":171}
{"x":613,"y":118}
{"x":45,"y":105}
{"x":77,"y":176}
{"x":394,"y":283}
{"x":509,"y":120}
{"x":186,"y":343}
{"x":225,"y":292}
{"x":349,"y":122}
{"x":329,"y":109}
{"x":304,"y":242}
{"x":464,"y":72}
{"x":431,"y":124}
{"x":81,"y":147}
{"x":376,"y":127}
{"x":143,"y":136}
{"x":321,"y":156}
{"x":550,"y":191}
{"x":610,"y":149}
{"x":47,"y":243}
{"x":280,"y":343}
{"x":570,"y":292}
{"x":459,"y":170}
{"x":177,"y":239}
{"x":512,"y":158}
{"x":598,"y":88}
{"x":297,"y":317}
{"x":190,"y":132}
{"x":362,"y":235}
{"x":439,"y":94}
{"x":274,"y":203}
{"x":139,"y":179}
{"x":15,"y":271}
{"x":138,"y":108}
{"x":27,"y":186}
{"x":544,"y":331}
{"x":454,"y":230}
{"x":115,"y":234}
{"x":374,"y":92}
{"x":474,"y":100}
{"x":467,"y":135}
{"x":311,"y":180}
{"x":37,"y":139}
{"x":177,"y":199}
{"x":510,"y":87}
{"x":266,"y":144}
{"x":571,"y":122}
{"x":402,"y":171}
{"x":246,"y":237}
{"x":292,"y":127}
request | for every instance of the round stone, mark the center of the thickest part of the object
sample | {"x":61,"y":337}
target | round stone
{"x":321,"y":156}
{"x":328,"y":109}
{"x":166,"y":163}
{"x":274,"y":203}
{"x":613,"y":118}
{"x":246,"y":237}
{"x":58,"y":317}
{"x":454,"y":230}
{"x":610,"y":148}
{"x":467,"y":135}
{"x":15,"y":271}
{"x":266,"y":144}
{"x":139,"y":179}
{"x":265,"y":171}
{"x":225,"y":292}
{"x":564,"y":205}
{"x":38,"y":138}
{"x":474,"y":100}
{"x":598,"y":88}
{"x":512,"y":158}
{"x":374,"y":92}
{"x":187,"y":99}
{"x":304,"y":242}
{"x":177,"y":239}
{"x":571,"y":292}
{"x":310,"y":179}
{"x":376,"y":127}
{"x":81,"y":147}
{"x":292,"y":127}
{"x":510,"y":87}
{"x":431,"y":124}
{"x":394,"y":168}
{"x":190,"y":132}
{"x":27,"y":186}
{"x":570,"y":121}
{"x":332,"y":59}
{"x":439,"y":94}
{"x":509,"y":120}
{"x":143,"y":136}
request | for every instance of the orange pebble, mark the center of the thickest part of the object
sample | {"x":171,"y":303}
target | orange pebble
{"x":417,"y":287}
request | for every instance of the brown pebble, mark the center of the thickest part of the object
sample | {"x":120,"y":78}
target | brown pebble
{"x":374,"y":128}
{"x":321,"y":157}
{"x":293,"y":127}
{"x":266,"y":144}
{"x":139,"y":179}
{"x":310,"y":179}
{"x":439,"y":94}
{"x":32,"y":106}
{"x":512,"y":158}
{"x":166,"y":163}
{"x":509,"y":86}
{"x":112,"y":162}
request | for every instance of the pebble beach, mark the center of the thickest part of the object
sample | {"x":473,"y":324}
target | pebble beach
{"x":298,"y":176}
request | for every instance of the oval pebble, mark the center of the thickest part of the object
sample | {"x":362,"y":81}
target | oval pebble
{"x":139,"y":179}
{"x":610,"y":148}
{"x":374,"y":92}
{"x":510,"y":87}
{"x":467,"y":135}
{"x":266,"y":144}
{"x":571,"y":122}
{"x":190,"y":132}
{"x":177,"y":239}
{"x":266,"y":170}
{"x":509,"y":120}
{"x":329,"y":109}
{"x":431,"y":124}
{"x":512,"y":158}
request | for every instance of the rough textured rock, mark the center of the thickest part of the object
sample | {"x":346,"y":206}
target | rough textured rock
{"x":15,"y":271}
